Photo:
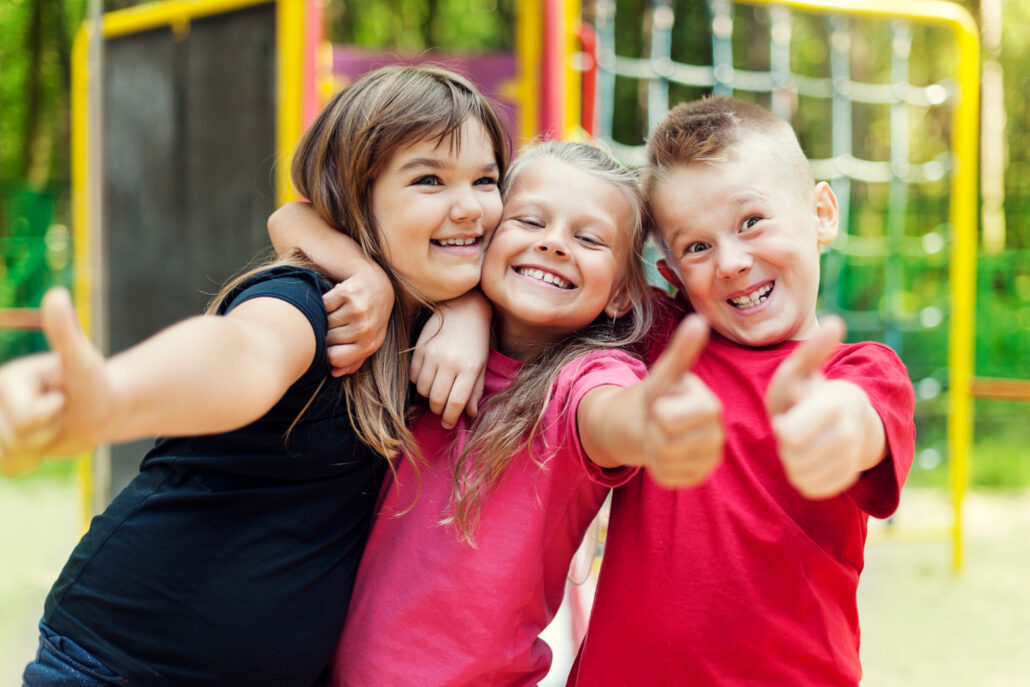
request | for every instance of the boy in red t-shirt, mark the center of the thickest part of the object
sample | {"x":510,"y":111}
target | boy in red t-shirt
{"x":751,"y":576}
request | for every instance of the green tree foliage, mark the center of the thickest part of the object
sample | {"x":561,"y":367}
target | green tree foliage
{"x":35,"y":59}
{"x":408,"y":26}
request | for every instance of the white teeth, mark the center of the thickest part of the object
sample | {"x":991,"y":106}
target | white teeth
{"x":752,"y":299}
{"x":457,"y":242}
{"x":547,"y":277}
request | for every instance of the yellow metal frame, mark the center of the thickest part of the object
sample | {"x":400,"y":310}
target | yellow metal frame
{"x":964,"y":183}
{"x":964,"y":216}
{"x":177,"y":16}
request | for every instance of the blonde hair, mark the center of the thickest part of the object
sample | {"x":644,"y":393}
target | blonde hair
{"x":334,"y":167}
{"x":511,"y":421}
{"x":706,"y":130}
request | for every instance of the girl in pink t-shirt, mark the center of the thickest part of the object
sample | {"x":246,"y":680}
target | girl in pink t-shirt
{"x":468,"y":558}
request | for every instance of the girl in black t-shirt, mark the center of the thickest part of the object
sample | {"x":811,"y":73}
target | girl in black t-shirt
{"x":229,"y":558}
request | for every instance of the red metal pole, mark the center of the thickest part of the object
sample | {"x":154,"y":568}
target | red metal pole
{"x":553,"y":72}
{"x":588,"y":113}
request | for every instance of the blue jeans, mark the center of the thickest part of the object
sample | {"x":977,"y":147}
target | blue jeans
{"x":60,"y":662}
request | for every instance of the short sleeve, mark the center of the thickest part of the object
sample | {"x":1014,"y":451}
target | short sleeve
{"x":881,"y":374}
{"x":600,"y":368}
{"x":301,"y":288}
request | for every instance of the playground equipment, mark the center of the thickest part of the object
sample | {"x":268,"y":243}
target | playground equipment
{"x":198,"y":100}
{"x":828,"y":101}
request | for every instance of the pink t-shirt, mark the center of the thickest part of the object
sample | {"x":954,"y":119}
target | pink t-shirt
{"x":742,"y":580}
{"x":428,"y":608}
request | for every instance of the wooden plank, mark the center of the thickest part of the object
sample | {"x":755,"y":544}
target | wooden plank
{"x":987,"y":388}
{"x":22,"y":319}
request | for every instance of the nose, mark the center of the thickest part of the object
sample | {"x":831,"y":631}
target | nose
{"x":552,"y":242}
{"x":466,"y":206}
{"x":733,"y":260}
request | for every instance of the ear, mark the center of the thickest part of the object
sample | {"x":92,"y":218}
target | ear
{"x":669,"y":274}
{"x":619,"y":304}
{"x":824,"y":204}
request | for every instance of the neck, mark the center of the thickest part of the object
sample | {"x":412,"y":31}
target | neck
{"x":520,"y":341}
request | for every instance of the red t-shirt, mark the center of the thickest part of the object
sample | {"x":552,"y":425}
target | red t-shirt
{"x":742,"y":580}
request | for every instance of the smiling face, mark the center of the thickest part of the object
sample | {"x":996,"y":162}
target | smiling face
{"x":558,"y":258}
{"x":743,"y":243}
{"x":435,"y":206}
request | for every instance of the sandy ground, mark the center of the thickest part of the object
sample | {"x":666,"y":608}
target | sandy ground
{"x":922,"y":625}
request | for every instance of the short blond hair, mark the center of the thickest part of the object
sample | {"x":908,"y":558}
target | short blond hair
{"x":707,"y":130}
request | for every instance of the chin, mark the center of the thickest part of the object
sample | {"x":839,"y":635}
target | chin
{"x":757,"y":339}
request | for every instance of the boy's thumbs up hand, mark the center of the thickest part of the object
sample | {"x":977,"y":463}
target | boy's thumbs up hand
{"x":817,"y":422}
{"x":685,"y":434}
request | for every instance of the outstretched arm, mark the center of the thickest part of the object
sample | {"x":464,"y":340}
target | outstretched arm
{"x":203,"y":375}
{"x":827,"y":431}
{"x":359,"y":306}
{"x":671,"y":422}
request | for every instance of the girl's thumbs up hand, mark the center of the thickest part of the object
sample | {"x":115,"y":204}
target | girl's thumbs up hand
{"x":684,"y":431}
{"x":82,"y":379}
{"x":30,"y":409}
{"x":819,"y":423}
{"x":55,"y":403}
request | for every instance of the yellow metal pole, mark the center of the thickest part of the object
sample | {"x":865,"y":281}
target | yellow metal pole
{"x":80,"y":236}
{"x":964,"y":215}
{"x":529,"y":32}
{"x":573,"y":77}
{"x":289,"y":90}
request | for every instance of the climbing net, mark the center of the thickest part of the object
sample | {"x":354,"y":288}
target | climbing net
{"x":873,"y":96}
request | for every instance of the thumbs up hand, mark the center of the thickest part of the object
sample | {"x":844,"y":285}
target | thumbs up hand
{"x":684,"y":434}
{"x":55,"y":403}
{"x":824,"y":431}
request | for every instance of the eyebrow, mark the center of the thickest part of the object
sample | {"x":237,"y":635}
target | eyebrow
{"x":748,"y":196}
{"x":539,"y":203}
{"x":437,"y":163}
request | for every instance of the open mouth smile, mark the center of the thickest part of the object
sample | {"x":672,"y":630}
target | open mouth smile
{"x":460,"y":241}
{"x":752,"y":299}
{"x":546,"y":277}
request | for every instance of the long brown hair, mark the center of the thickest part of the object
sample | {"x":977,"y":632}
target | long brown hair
{"x":510,"y":422}
{"x":334,"y":167}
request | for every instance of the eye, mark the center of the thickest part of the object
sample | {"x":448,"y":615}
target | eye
{"x":695,"y":248}
{"x":750,"y":222}
{"x":485,"y":181}
{"x":590,"y":240}
{"x":530,"y":222}
{"x":427,"y":180}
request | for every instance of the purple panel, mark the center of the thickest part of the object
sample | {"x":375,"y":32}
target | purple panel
{"x":493,"y":73}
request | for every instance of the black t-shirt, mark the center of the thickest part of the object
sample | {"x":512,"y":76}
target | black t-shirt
{"x":230,"y":558}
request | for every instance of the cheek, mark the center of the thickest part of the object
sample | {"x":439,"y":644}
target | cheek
{"x":695,"y":282}
{"x":493,"y":260}
{"x":492,"y":211}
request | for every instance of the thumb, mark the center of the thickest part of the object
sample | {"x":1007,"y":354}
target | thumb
{"x":680,"y":355}
{"x":62,"y":329}
{"x":804,"y":363}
